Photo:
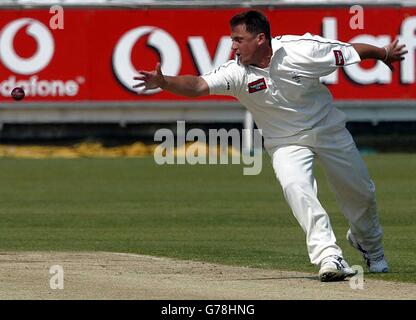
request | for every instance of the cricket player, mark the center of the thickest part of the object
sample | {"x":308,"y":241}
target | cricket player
{"x":277,"y":80}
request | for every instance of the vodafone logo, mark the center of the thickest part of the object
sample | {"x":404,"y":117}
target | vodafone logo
{"x":43,"y":54}
{"x":160,"y":40}
{"x":34,"y":86}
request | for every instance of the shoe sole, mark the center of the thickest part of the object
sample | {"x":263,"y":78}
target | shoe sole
{"x":331,"y":276}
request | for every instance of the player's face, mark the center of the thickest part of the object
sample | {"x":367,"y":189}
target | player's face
{"x":245,"y":44}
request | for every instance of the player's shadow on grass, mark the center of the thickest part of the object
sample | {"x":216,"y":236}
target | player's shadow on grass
{"x":277,"y":278}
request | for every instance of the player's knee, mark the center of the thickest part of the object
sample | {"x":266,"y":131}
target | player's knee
{"x":369,"y":196}
{"x":363,"y":205}
{"x":296,"y":187}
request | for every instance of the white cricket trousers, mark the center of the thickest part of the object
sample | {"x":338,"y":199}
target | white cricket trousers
{"x":348,"y":178}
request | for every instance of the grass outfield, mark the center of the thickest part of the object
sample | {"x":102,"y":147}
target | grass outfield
{"x":202,"y":212}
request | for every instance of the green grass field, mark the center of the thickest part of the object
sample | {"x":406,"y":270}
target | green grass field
{"x":203,"y":212}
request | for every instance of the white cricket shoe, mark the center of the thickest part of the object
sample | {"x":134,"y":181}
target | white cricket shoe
{"x":334,"y":268}
{"x":374,"y":264}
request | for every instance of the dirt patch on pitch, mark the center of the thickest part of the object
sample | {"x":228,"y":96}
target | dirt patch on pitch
{"x":102,"y":275}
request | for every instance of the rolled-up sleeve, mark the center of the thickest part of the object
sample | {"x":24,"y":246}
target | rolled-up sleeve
{"x":224,"y":80}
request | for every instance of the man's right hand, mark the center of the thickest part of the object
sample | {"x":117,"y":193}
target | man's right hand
{"x":150,"y":79}
{"x":187,"y":85}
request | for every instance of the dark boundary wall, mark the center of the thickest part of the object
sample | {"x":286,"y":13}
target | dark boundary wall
{"x":380,"y":137}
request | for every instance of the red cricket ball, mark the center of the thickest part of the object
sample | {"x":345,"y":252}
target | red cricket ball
{"x":18,"y":93}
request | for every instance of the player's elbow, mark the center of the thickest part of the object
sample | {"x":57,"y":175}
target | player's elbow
{"x":195,"y":94}
{"x":200,"y":88}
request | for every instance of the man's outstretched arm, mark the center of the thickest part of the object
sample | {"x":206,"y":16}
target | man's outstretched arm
{"x":388,"y":54}
{"x":188,"y":86}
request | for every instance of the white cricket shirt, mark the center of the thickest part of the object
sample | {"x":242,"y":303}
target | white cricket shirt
{"x":287,"y":97}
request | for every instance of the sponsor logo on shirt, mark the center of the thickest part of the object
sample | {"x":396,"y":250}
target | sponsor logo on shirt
{"x":339,"y":58}
{"x":257,"y":85}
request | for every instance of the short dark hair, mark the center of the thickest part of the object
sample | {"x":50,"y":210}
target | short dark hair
{"x":255,"y":21}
